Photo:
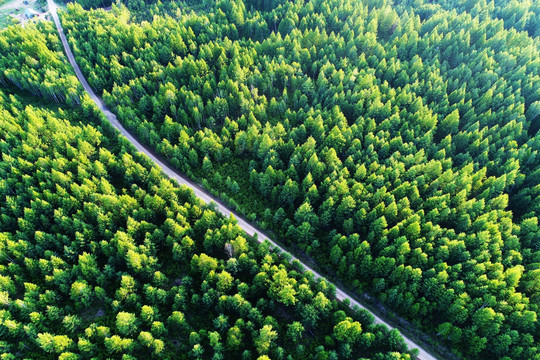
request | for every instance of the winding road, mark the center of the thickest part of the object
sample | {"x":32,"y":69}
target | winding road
{"x":199,"y":192}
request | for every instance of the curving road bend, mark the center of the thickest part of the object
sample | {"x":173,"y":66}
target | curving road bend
{"x":199,"y":192}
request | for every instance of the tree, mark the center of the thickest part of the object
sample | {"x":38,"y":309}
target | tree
{"x":225,"y":281}
{"x":265,"y":338}
{"x":295,"y":331}
{"x":53,"y":343}
{"x":286,"y":25}
{"x":450,"y":124}
{"x":147,"y":314}
{"x":347,"y":331}
{"x":176,"y":320}
{"x":126,"y":323}
{"x":145,"y":338}
{"x":234,"y":337}
{"x":282,"y":288}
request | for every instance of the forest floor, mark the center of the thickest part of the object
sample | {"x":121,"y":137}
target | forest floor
{"x":14,"y":11}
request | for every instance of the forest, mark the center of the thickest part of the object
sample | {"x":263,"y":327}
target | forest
{"x":102,"y":257}
{"x":392,"y":144}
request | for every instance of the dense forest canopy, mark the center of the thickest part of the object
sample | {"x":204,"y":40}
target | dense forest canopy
{"x":102,"y":257}
{"x":394,"y":144}
{"x":30,"y":59}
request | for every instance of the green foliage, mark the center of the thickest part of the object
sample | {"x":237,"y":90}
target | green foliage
{"x":102,"y":257}
{"x":31,"y":59}
{"x":398,"y":152}
{"x":395,"y":143}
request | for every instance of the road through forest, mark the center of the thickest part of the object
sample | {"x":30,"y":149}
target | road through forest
{"x":199,"y":192}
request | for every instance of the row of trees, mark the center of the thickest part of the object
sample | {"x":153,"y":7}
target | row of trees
{"x":398,"y":151}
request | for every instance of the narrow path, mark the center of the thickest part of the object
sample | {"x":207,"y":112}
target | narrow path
{"x":199,"y":192}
